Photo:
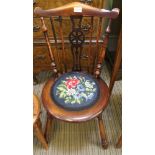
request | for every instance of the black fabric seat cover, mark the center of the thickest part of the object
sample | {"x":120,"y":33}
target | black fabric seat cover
{"x":75,"y":91}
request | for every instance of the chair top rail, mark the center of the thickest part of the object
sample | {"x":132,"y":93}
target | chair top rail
{"x":76,"y":9}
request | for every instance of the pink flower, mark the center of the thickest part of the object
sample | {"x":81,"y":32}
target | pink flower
{"x":72,"y":83}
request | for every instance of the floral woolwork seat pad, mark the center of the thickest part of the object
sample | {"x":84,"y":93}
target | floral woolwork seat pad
{"x":75,"y":91}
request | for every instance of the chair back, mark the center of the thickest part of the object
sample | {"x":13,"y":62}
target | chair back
{"x":77,"y":13}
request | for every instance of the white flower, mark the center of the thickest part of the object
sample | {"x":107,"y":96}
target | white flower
{"x":70,"y":91}
{"x":74,"y":77}
{"x":87,"y":84}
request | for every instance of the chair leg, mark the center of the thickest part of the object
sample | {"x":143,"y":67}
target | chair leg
{"x":39,"y":124}
{"x":102,"y":132}
{"x":48,"y":126}
{"x":39,"y":134}
{"x":119,"y":142}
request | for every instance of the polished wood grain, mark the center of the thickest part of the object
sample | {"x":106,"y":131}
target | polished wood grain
{"x":102,"y":52}
{"x":77,"y":34}
{"x":40,"y":63}
{"x":86,"y":11}
{"x":48,"y":126}
{"x":39,"y":134}
{"x":36,"y":108}
{"x":44,"y":29}
{"x":74,"y":116}
{"x":69,"y":10}
{"x":37,"y":126}
{"x":90,"y":45}
{"x":54,"y":111}
{"x":102,"y":132}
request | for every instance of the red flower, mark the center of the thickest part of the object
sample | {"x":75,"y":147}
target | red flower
{"x":72,"y":83}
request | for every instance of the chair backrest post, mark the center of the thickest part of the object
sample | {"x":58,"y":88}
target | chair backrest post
{"x":102,"y":52}
{"x":45,"y":31}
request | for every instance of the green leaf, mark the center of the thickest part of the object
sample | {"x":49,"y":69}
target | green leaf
{"x":73,"y":101}
{"x":61,"y":88}
{"x":78,"y":101}
{"x":62,"y":95}
{"x":65,"y":94}
{"x":84,"y":95}
{"x":62,"y":85}
{"x":81,"y":80}
{"x":87,"y":89}
{"x":67,"y":101}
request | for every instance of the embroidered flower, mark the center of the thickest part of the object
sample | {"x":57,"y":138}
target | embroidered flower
{"x":77,"y":95}
{"x":90,"y":96}
{"x":70,"y":91}
{"x":80,"y":87}
{"x":76,"y":90}
{"x":72,"y":83}
{"x":88,"y":84}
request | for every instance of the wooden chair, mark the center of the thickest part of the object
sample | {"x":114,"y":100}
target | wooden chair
{"x":74,"y":94}
{"x":37,"y":123}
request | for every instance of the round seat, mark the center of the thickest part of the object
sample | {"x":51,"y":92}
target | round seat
{"x":75,"y":91}
{"x":75,"y":97}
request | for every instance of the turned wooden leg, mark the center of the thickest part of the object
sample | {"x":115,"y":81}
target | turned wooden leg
{"x":39,"y":134}
{"x":39,"y":123}
{"x":119,"y":142}
{"x":48,"y":126}
{"x":102,"y":132}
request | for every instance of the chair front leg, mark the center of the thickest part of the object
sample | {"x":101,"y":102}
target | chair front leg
{"x":102,"y":132}
{"x":39,"y":134}
{"x":48,"y":126}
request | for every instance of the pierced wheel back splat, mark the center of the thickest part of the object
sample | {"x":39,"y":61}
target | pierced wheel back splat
{"x":76,"y":38}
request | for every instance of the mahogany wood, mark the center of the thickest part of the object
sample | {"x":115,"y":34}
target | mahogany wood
{"x":41,"y":64}
{"x":75,"y":116}
{"x":55,"y":39}
{"x":76,"y":38}
{"x":48,"y":126}
{"x":62,"y":41}
{"x":44,"y":28}
{"x":97,"y":44}
{"x":68,"y":10}
{"x":102,"y":52}
{"x":36,"y":108}
{"x":39,"y":134}
{"x":90,"y":44}
{"x":37,"y":127}
{"x":102,"y":132}
{"x":76,"y":50}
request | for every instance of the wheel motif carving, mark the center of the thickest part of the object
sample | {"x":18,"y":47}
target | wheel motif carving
{"x":76,"y":37}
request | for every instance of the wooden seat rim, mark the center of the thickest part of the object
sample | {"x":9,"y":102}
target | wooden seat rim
{"x":75,"y":116}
